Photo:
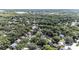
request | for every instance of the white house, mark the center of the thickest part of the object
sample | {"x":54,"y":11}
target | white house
{"x":25,"y":49}
{"x":18,"y":40}
{"x":74,"y":23}
{"x":14,"y":45}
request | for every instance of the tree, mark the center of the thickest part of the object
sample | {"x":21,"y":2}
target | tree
{"x":42,"y":42}
{"x":48,"y":47}
{"x":4,"y":42}
{"x":34,"y":39}
{"x":20,"y":46}
{"x":32,"y":46}
{"x":56,"y":39}
{"x":68,"y":40}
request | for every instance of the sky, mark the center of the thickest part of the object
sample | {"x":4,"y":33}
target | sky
{"x":39,"y":4}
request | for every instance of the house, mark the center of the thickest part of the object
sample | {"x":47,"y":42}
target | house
{"x":75,"y":23}
{"x":4,"y":35}
{"x":18,"y":40}
{"x":22,"y":37}
{"x":28,"y":22}
{"x":25,"y":49}
{"x":34,"y":27}
{"x":67,"y":48}
{"x":8,"y":49}
{"x":61,"y":35}
{"x":61,"y":43}
{"x":14,"y":45}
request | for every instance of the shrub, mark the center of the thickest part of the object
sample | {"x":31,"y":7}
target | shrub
{"x":42,"y":42}
{"x":48,"y":47}
{"x":4,"y":42}
{"x":32,"y":46}
{"x":68,"y":40}
{"x":34,"y":39}
{"x":56,"y":39}
{"x":20,"y":46}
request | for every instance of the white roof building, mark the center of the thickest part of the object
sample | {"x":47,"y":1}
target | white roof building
{"x":74,"y":23}
{"x":61,"y":43}
{"x":18,"y":40}
{"x":14,"y":45}
{"x":67,"y":47}
{"x":25,"y":49}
